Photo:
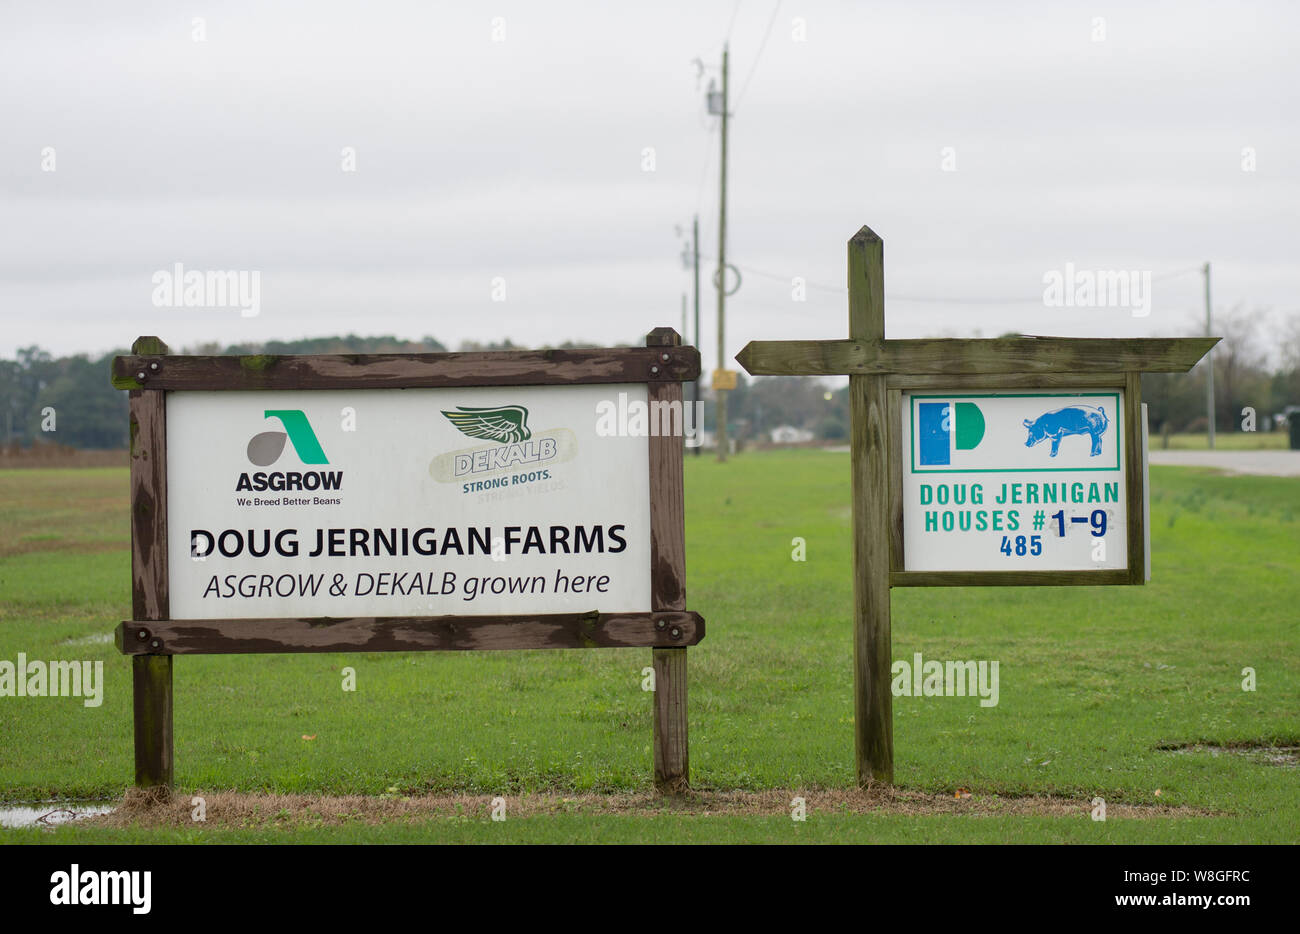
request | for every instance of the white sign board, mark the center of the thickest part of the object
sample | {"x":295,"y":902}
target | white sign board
{"x":1014,"y":481}
{"x":405,"y":502}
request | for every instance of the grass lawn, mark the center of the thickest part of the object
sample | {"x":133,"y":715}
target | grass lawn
{"x":1094,"y":682}
{"x":1225,"y":441}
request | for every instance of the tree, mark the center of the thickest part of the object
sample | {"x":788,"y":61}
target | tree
{"x":1240,"y":369}
{"x":22,"y":382}
{"x":88,"y":411}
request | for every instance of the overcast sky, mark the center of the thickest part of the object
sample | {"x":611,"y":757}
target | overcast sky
{"x":507,"y":140}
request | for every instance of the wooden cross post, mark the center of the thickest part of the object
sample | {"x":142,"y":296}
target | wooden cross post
{"x":151,"y":674}
{"x":879,"y":370}
{"x":873,"y":705}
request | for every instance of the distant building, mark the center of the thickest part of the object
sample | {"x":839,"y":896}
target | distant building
{"x":788,"y":434}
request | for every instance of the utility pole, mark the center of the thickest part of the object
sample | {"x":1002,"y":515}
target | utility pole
{"x":1209,"y":359}
{"x":695,"y":250}
{"x":721,"y":394}
{"x":686,"y":338}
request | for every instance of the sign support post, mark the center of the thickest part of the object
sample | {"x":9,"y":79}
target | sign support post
{"x":151,"y":674}
{"x":879,"y":372}
{"x":668,"y":574}
{"x":873,"y":704}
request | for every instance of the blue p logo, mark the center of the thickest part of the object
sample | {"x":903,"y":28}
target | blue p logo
{"x":943,"y":426}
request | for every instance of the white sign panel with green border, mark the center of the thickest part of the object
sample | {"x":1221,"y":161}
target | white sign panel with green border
{"x":1014,"y":480}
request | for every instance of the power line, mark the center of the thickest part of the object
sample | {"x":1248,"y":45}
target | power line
{"x":763,"y":274}
{"x":704,"y":173}
{"x":965,"y":301}
{"x":841,"y":290}
{"x":1017,"y":301}
{"x":731,"y":25}
{"x":1175,"y":273}
{"x":754,"y":67}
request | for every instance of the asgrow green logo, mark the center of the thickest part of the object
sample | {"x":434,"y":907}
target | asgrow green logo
{"x":507,"y":424}
{"x":265,"y":448}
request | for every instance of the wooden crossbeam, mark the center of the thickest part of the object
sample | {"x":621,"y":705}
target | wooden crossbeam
{"x":674,"y":629}
{"x":406,"y":371}
{"x":948,"y":357}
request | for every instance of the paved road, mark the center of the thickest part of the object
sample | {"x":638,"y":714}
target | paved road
{"x":1270,"y":463}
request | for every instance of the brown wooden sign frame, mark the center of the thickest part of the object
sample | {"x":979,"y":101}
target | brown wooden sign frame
{"x":153,"y":639}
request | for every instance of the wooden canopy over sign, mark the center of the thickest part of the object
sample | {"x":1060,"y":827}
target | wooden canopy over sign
{"x":879,"y":370}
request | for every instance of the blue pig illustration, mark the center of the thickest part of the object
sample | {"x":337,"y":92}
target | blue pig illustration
{"x":1071,"y":420}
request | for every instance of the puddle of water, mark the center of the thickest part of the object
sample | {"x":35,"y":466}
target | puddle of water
{"x":102,"y":638}
{"x":1284,"y":756}
{"x":49,"y":813}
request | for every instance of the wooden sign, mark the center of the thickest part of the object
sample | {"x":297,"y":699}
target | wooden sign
{"x":889,"y":381}
{"x":725,"y":379}
{"x":1022,"y":480}
{"x":394,"y":503}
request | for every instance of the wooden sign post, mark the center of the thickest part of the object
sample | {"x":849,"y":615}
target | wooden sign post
{"x":405,"y":503}
{"x":1006,"y":371}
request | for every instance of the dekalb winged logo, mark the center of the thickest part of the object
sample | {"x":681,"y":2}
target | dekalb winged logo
{"x":507,"y":424}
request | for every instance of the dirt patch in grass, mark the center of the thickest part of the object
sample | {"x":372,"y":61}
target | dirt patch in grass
{"x":238,"y":809}
{"x":1285,"y":755}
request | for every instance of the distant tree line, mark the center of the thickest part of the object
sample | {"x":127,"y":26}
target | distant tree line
{"x":758,"y":405}
{"x":73,"y":394}
{"x":1243,"y":378}
{"x":70,"y":394}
